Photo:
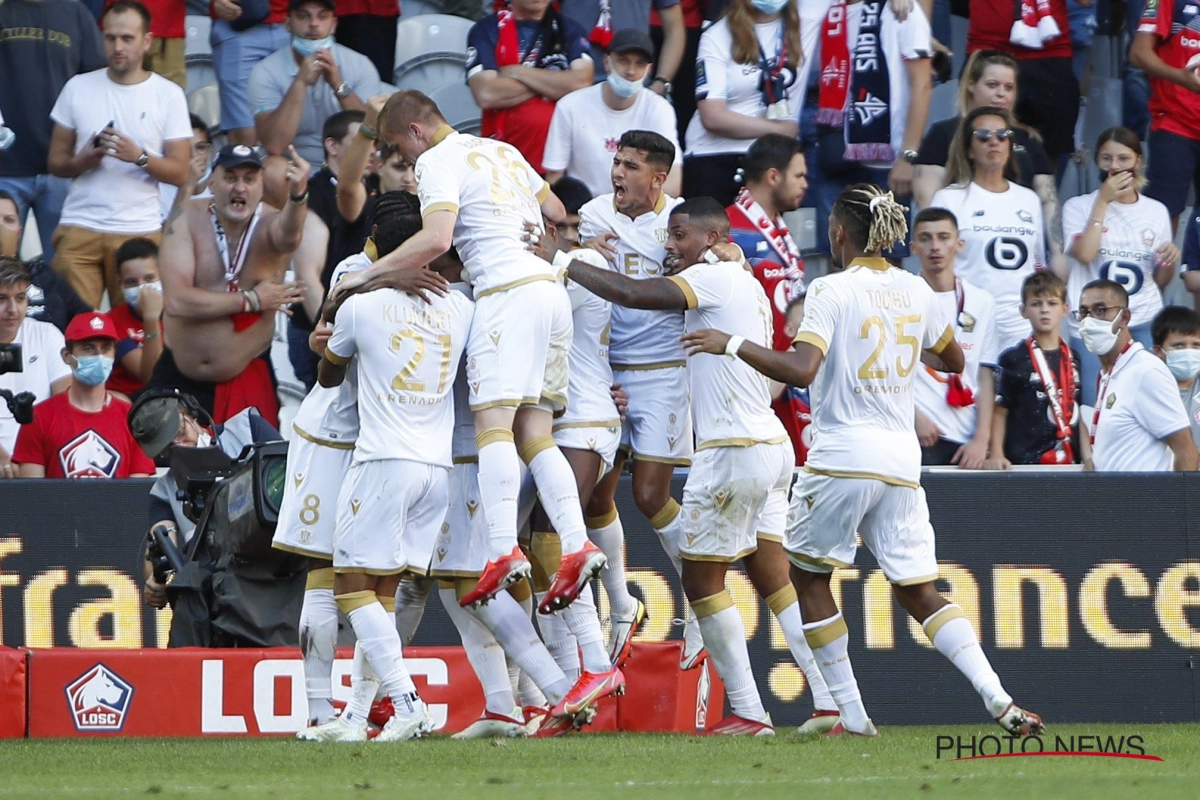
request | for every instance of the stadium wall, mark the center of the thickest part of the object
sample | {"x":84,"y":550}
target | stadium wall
{"x":1085,"y":590}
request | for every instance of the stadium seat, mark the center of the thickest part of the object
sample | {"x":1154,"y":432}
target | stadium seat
{"x":458,"y":106}
{"x":942,"y":103}
{"x":416,"y":8}
{"x":430,"y":51}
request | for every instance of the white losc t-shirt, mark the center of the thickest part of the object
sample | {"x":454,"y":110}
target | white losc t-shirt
{"x":117,"y":196}
{"x":41,"y":356}
{"x":584,"y":133}
{"x":1139,"y":407}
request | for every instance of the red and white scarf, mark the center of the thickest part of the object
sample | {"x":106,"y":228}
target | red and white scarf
{"x":602,"y":32}
{"x":526,"y":124}
{"x":776,"y":233}
{"x":1033,"y":24}
{"x":855,"y":93}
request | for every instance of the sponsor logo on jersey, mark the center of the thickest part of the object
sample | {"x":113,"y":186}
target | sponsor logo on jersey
{"x":99,"y":700}
{"x":88,"y":455}
{"x":979,"y":213}
{"x":1112,"y":398}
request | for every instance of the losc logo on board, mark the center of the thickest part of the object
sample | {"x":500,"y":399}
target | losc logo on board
{"x":99,"y":700}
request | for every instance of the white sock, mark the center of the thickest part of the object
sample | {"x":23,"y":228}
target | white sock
{"x":668,"y":537}
{"x":411,"y":595}
{"x":834,"y":663}
{"x":954,"y":638}
{"x":560,"y":496}
{"x":484,"y":653}
{"x":381,"y":644}
{"x":364,"y":683}
{"x":610,"y":539}
{"x":584,"y":623}
{"x":725,"y":638}
{"x":318,"y":643}
{"x":514,"y":631}
{"x":559,"y":641}
{"x":528,"y":693}
{"x":499,"y":481}
{"x":793,"y":632}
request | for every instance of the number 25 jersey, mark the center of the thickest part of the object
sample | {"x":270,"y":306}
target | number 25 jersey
{"x":871,"y":322}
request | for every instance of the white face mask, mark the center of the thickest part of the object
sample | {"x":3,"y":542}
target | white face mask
{"x":1184,"y":364}
{"x":622,"y":87}
{"x":132,"y":293}
{"x":1098,"y":335}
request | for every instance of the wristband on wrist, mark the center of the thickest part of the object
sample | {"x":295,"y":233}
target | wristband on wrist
{"x":731,"y":347}
{"x":299,"y":199}
{"x":368,"y":132}
{"x":251,"y":301}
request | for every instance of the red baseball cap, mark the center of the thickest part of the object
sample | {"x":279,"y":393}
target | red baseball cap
{"x":92,"y":325}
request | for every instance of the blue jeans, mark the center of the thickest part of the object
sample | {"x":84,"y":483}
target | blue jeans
{"x":1135,"y":86}
{"x":44,"y":194}
{"x":304,"y":360}
{"x":1089,"y":363}
{"x":234,"y":55}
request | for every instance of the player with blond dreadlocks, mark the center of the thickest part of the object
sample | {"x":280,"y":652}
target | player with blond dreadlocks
{"x":864,"y":332}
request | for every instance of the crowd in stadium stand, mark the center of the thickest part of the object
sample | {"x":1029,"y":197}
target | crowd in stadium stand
{"x":772,"y":106}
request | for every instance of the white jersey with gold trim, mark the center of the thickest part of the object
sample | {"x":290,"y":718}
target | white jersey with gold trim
{"x":408,"y":353}
{"x":731,"y":401}
{"x":590,"y":377}
{"x":640,"y":338}
{"x":494,"y":192}
{"x":871,"y":322}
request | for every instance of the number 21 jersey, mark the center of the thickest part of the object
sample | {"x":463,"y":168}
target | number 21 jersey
{"x":871,"y":322}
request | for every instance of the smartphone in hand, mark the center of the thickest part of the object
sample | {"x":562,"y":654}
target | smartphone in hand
{"x":96,"y":141}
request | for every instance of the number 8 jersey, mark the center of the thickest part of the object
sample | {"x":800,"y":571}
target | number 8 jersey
{"x":1005,"y":244}
{"x":1132,"y":233}
{"x":871,"y":322}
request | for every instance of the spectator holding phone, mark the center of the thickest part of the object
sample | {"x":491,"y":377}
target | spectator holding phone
{"x":1118,"y":234}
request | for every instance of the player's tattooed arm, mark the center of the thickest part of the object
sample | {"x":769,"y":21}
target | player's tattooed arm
{"x":796,"y":367}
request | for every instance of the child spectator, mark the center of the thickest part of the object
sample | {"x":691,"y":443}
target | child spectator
{"x":82,"y":433}
{"x":138,"y":321}
{"x":1036,"y":419}
{"x":1176,"y":334}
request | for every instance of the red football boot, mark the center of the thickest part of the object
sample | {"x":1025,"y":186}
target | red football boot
{"x":497,"y":576}
{"x":574,"y":571}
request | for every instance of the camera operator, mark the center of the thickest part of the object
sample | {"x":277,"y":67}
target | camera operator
{"x":38,"y":368}
{"x":166,"y":418}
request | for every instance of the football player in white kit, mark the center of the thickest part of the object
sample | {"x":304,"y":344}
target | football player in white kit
{"x":394,"y":497}
{"x":629,"y":227}
{"x":476,"y":194}
{"x":864,"y":334}
{"x":735,"y":499}
{"x":325,"y":427}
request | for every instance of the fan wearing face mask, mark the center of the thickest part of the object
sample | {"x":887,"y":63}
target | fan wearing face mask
{"x":588,"y":123}
{"x":138,"y":320}
{"x":82,"y":433}
{"x":1139,"y":423}
{"x":1176,"y":333}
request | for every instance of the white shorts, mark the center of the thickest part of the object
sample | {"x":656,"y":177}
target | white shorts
{"x":462,"y":547}
{"x":732,"y":496}
{"x":519,"y":345}
{"x":826,"y":513}
{"x":308,"y":513}
{"x":597,"y":437}
{"x":389,"y":516}
{"x":658,"y":424}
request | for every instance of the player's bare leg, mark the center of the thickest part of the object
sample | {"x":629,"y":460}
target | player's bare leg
{"x":318,"y":640}
{"x":725,"y":638}
{"x":767,"y":569}
{"x":952,"y":634}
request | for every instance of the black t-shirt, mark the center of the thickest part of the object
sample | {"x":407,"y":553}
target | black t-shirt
{"x":42,"y":46}
{"x":1030,"y":430}
{"x":51,"y":299}
{"x":322,"y":196}
{"x":1031,"y":156}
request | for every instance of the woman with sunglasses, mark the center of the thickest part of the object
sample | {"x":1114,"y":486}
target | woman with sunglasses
{"x":999,"y":220}
{"x":989,"y":79}
{"x":1119,"y":234}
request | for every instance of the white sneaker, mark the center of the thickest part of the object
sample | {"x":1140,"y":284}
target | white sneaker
{"x":492,"y":726}
{"x":819,"y":722}
{"x":336,"y":730}
{"x":624,"y":626}
{"x":693,"y":645}
{"x":401,"y":729}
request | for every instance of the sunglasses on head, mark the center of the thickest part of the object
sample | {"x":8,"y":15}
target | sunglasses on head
{"x":983,"y":134}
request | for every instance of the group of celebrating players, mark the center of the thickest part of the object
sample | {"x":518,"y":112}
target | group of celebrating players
{"x":467,"y":430}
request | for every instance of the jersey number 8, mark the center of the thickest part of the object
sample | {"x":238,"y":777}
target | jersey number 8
{"x":871,"y":370}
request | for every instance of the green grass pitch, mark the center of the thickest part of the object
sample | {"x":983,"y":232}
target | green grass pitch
{"x":901,"y":763}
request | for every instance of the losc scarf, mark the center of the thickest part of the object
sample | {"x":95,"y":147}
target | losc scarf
{"x":855,"y":90}
{"x":1033,"y":24}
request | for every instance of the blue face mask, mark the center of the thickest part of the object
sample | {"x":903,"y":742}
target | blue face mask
{"x":769,"y":6}
{"x":622,"y":87}
{"x":306,"y":47}
{"x":92,"y":370}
